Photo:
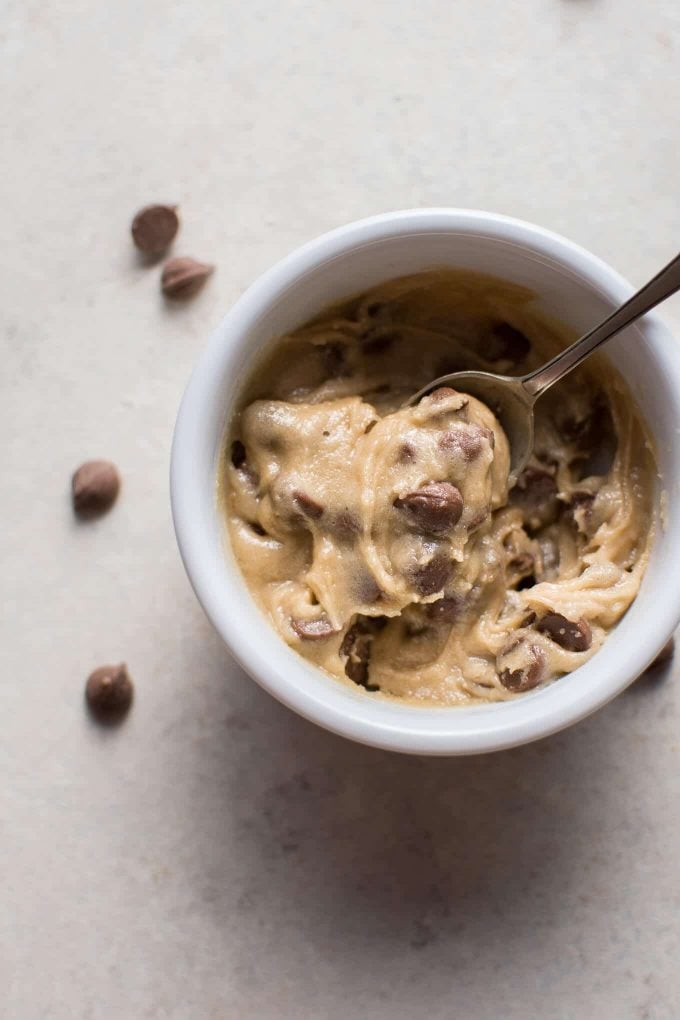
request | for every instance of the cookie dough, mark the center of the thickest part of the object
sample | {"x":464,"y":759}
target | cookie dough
{"x":382,"y":541}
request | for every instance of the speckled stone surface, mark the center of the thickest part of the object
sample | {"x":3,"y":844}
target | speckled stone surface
{"x":216,"y":857}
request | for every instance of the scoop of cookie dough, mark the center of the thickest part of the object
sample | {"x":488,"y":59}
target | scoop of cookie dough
{"x":388,"y":503}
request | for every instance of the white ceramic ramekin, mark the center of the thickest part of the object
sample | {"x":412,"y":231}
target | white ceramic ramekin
{"x":573,"y":285}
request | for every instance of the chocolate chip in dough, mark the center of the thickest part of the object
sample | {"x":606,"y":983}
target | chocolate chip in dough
{"x":446,"y":610}
{"x":334,"y":360}
{"x":433,"y":508}
{"x":356,"y":645}
{"x":406,"y":454}
{"x":94,"y":488}
{"x":580,"y":509}
{"x":367,"y":589}
{"x":431,"y":577}
{"x":109,"y":692}
{"x":466,"y":441}
{"x":526,"y":677}
{"x":308,"y":506}
{"x":317,"y":629}
{"x":573,"y":636}
{"x":595,"y":440}
{"x":443,"y":392}
{"x":374,"y":309}
{"x":346,"y":525}
{"x":535,"y":493}
{"x":378,"y":340}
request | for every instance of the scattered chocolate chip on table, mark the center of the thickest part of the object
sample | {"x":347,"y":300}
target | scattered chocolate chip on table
{"x":182,"y":277}
{"x":94,"y":488}
{"x":154,"y":228}
{"x":109,"y":692}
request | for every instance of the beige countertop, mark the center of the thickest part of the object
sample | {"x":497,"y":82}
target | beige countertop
{"x":216,"y":857}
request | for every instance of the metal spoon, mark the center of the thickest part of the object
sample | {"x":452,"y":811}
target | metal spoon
{"x":512,"y":398}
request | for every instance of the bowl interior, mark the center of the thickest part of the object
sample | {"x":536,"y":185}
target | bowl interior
{"x":575,"y":288}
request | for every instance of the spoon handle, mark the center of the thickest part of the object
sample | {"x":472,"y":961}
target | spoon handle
{"x":664,"y":284}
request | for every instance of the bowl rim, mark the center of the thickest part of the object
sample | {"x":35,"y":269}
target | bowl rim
{"x":291,"y":679}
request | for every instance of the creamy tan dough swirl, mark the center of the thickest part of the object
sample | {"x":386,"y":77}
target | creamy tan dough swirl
{"x":382,"y":540}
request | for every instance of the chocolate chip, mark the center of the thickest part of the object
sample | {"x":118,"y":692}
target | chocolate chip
{"x":317,"y":629}
{"x":377,"y":341}
{"x":526,"y":677}
{"x":477,"y":519}
{"x":374,"y":308}
{"x":356,"y":667}
{"x":406,"y":454}
{"x":431,"y":577}
{"x":356,"y":645}
{"x":258,"y":529}
{"x":346,"y":525}
{"x":595,"y":441}
{"x":308,"y":506}
{"x":238,"y":453}
{"x":506,"y":344}
{"x":443,"y":392}
{"x":535,"y":493}
{"x":521,"y":564}
{"x":440,"y":396}
{"x":334,"y":360}
{"x":109,"y":692}
{"x":446,"y":610}
{"x":433,"y":508}
{"x":580,"y":509}
{"x":154,"y":228}
{"x":466,"y":441}
{"x":183,"y":277}
{"x":94,"y":488}
{"x":367,"y":589}
{"x":575,"y":637}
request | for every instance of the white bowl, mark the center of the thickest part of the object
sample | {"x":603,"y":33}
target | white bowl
{"x":573,"y":285}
